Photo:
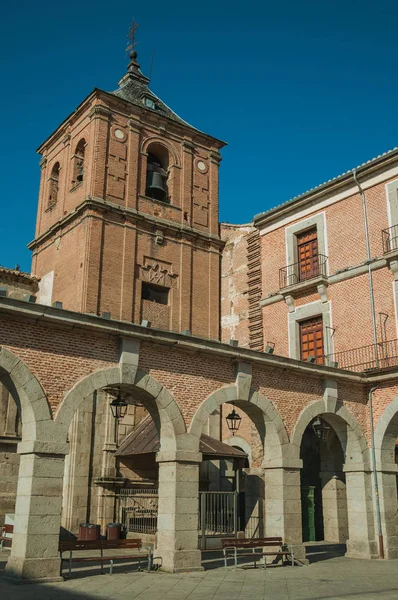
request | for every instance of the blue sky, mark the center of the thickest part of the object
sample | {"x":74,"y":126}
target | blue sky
{"x":301,"y":90}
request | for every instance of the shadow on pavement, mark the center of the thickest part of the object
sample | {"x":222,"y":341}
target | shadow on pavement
{"x":319,"y":551}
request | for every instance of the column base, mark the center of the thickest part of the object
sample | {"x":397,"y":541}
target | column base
{"x":181,"y":561}
{"x":300,"y":554}
{"x":33,"y":570}
{"x":366,"y":550}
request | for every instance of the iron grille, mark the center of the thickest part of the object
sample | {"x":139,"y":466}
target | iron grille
{"x":303,"y":270}
{"x":138,"y":509}
{"x":390,"y":239}
{"x":364,"y":358}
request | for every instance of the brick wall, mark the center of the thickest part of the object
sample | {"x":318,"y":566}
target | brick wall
{"x":96,"y":250}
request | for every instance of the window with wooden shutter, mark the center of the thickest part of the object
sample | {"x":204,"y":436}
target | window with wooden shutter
{"x":311,"y":339}
{"x":307,"y":253}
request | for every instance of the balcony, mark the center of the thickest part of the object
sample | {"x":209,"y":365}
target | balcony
{"x":390,"y":239}
{"x":364,"y":358}
{"x":304,"y":273}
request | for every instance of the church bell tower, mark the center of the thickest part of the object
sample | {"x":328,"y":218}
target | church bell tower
{"x":128,"y":212}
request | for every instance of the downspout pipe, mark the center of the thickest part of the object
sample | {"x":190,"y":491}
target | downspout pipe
{"x":374,"y":470}
{"x":369,"y":259}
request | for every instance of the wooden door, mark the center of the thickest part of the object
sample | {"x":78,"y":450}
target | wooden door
{"x":307,"y":252}
{"x":311,"y":339}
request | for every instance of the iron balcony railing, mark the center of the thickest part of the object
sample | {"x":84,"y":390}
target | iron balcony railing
{"x":303,"y":270}
{"x":364,"y":358}
{"x":390,"y":239}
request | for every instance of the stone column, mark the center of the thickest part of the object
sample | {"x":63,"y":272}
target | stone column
{"x":361,"y":527}
{"x":334,"y":502}
{"x":34,"y":552}
{"x":387,"y":479}
{"x":177,"y":538}
{"x":283,"y":503}
{"x":106,"y":491}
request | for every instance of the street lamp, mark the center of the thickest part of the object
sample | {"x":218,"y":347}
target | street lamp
{"x":321,"y":429}
{"x":233,"y":421}
{"x":118,"y":407}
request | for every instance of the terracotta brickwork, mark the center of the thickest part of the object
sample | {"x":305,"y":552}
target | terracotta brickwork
{"x":99,"y":233}
{"x":234,"y":283}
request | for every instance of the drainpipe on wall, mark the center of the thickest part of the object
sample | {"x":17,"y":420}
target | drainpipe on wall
{"x":375,"y":483}
{"x":369,"y":258}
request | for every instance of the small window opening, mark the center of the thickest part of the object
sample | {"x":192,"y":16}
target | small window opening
{"x":156,"y":179}
{"x":149,"y":103}
{"x":54,"y":185}
{"x":155,"y":293}
{"x":78,"y":162}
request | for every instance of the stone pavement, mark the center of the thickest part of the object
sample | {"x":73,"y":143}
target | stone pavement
{"x":337,"y":578}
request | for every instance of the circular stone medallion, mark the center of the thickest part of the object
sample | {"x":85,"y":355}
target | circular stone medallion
{"x":119,"y":134}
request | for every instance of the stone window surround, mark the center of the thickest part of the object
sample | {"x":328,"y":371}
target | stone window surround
{"x":392,"y":202}
{"x":318,"y":221}
{"x":307,"y":311}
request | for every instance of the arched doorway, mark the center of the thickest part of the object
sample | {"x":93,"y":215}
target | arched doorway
{"x":323,"y":485}
{"x":346,"y":437}
{"x":280,"y":471}
{"x":386,"y":448}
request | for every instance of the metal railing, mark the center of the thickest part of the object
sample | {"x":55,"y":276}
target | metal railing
{"x":218,"y":513}
{"x":390,"y":239}
{"x":364,"y":358}
{"x":303,"y":270}
{"x":138,"y":509}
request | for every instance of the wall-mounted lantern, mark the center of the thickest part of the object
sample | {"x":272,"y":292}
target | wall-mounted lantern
{"x":233,"y":421}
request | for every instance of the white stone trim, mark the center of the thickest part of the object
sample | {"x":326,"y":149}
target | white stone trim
{"x":307,"y":311}
{"x":318,"y":221}
{"x":319,"y":203}
{"x":392,"y":202}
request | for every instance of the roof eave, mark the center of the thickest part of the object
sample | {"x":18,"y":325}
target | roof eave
{"x":334,"y":184}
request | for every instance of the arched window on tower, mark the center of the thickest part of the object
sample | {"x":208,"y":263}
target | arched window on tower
{"x":78,"y":162}
{"x":157,"y":174}
{"x":53,"y":185}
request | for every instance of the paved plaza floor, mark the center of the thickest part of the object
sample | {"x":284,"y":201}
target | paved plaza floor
{"x":335,"y":578}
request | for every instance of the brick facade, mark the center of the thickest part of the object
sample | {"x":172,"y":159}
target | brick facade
{"x":114,"y":255}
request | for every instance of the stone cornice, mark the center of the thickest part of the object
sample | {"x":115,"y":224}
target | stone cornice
{"x":68,"y":320}
{"x":100,"y":204}
{"x":325,"y":189}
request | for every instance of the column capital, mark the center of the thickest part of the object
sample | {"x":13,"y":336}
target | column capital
{"x":179,"y":456}
{"x":289,"y":464}
{"x":38,"y":447}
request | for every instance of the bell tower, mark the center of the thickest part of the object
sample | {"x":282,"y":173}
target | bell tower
{"x":128,"y":212}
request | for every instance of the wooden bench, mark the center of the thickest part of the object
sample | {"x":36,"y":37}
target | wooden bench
{"x":6,"y":533}
{"x":237,"y":547}
{"x":71,"y":546}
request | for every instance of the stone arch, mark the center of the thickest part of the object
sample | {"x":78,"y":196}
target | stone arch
{"x":386,"y":433}
{"x":173,"y":154}
{"x":29,"y":396}
{"x":157,"y":399}
{"x":260,"y":410}
{"x":237,"y":440}
{"x":347,"y":428}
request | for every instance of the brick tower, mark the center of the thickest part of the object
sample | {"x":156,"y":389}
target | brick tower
{"x":128,"y":212}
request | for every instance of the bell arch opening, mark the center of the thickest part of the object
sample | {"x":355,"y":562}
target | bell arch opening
{"x":157,"y":173}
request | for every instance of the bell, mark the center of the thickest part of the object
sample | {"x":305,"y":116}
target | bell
{"x":156,"y":187}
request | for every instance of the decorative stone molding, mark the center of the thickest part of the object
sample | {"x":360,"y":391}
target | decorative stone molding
{"x":290,"y":302}
{"x":157,"y":272}
{"x":243,"y":379}
{"x":323,"y":291}
{"x":99,"y":112}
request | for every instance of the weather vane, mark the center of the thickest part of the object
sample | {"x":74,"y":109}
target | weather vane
{"x":131,"y":36}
